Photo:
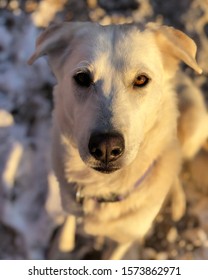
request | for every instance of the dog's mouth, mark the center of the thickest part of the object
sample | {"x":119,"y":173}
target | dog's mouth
{"x":105,"y":169}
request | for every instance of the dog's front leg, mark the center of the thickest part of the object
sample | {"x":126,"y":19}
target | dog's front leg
{"x":67,"y":235}
{"x":119,"y":252}
{"x":178,"y":201}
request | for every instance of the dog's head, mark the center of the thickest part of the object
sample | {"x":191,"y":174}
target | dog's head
{"x":110,"y":84}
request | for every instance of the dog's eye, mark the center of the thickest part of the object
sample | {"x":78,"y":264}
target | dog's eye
{"x":141,"y":81}
{"x":83,"y":79}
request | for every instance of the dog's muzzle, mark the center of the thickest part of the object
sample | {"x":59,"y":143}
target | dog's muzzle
{"x":106,"y":149}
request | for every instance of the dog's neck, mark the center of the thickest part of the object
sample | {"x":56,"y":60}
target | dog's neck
{"x":113,"y":197}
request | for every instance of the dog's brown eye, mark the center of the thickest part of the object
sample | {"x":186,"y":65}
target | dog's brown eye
{"x":141,"y":81}
{"x":83,"y":79}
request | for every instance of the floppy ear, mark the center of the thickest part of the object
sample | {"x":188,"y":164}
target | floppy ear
{"x":55,"y":40}
{"x":54,"y":37}
{"x":176,"y":45}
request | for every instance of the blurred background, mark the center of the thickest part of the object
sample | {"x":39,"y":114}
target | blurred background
{"x":30,"y":212}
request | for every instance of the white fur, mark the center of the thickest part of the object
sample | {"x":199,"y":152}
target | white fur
{"x":146,"y":117}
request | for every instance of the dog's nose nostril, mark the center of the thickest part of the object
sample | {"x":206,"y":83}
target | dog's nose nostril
{"x":106,"y":147}
{"x":97,"y":153}
{"x":116,"y":152}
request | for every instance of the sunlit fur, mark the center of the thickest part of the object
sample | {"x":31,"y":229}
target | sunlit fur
{"x":146,"y":117}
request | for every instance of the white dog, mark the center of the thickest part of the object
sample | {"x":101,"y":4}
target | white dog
{"x":116,"y":148}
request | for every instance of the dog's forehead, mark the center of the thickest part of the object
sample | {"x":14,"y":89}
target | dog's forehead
{"x":120,"y":47}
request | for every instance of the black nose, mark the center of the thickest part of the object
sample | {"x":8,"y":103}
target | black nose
{"x":106,"y":147}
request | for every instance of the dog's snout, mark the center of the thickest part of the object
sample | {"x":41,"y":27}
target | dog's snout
{"x":106,"y":147}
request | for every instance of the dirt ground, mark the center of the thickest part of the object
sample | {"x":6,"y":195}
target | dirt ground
{"x":30,"y":213}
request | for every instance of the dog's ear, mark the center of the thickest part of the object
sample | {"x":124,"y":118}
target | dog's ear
{"x":54,"y":37}
{"x":55,"y":40}
{"x":176,"y":45}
